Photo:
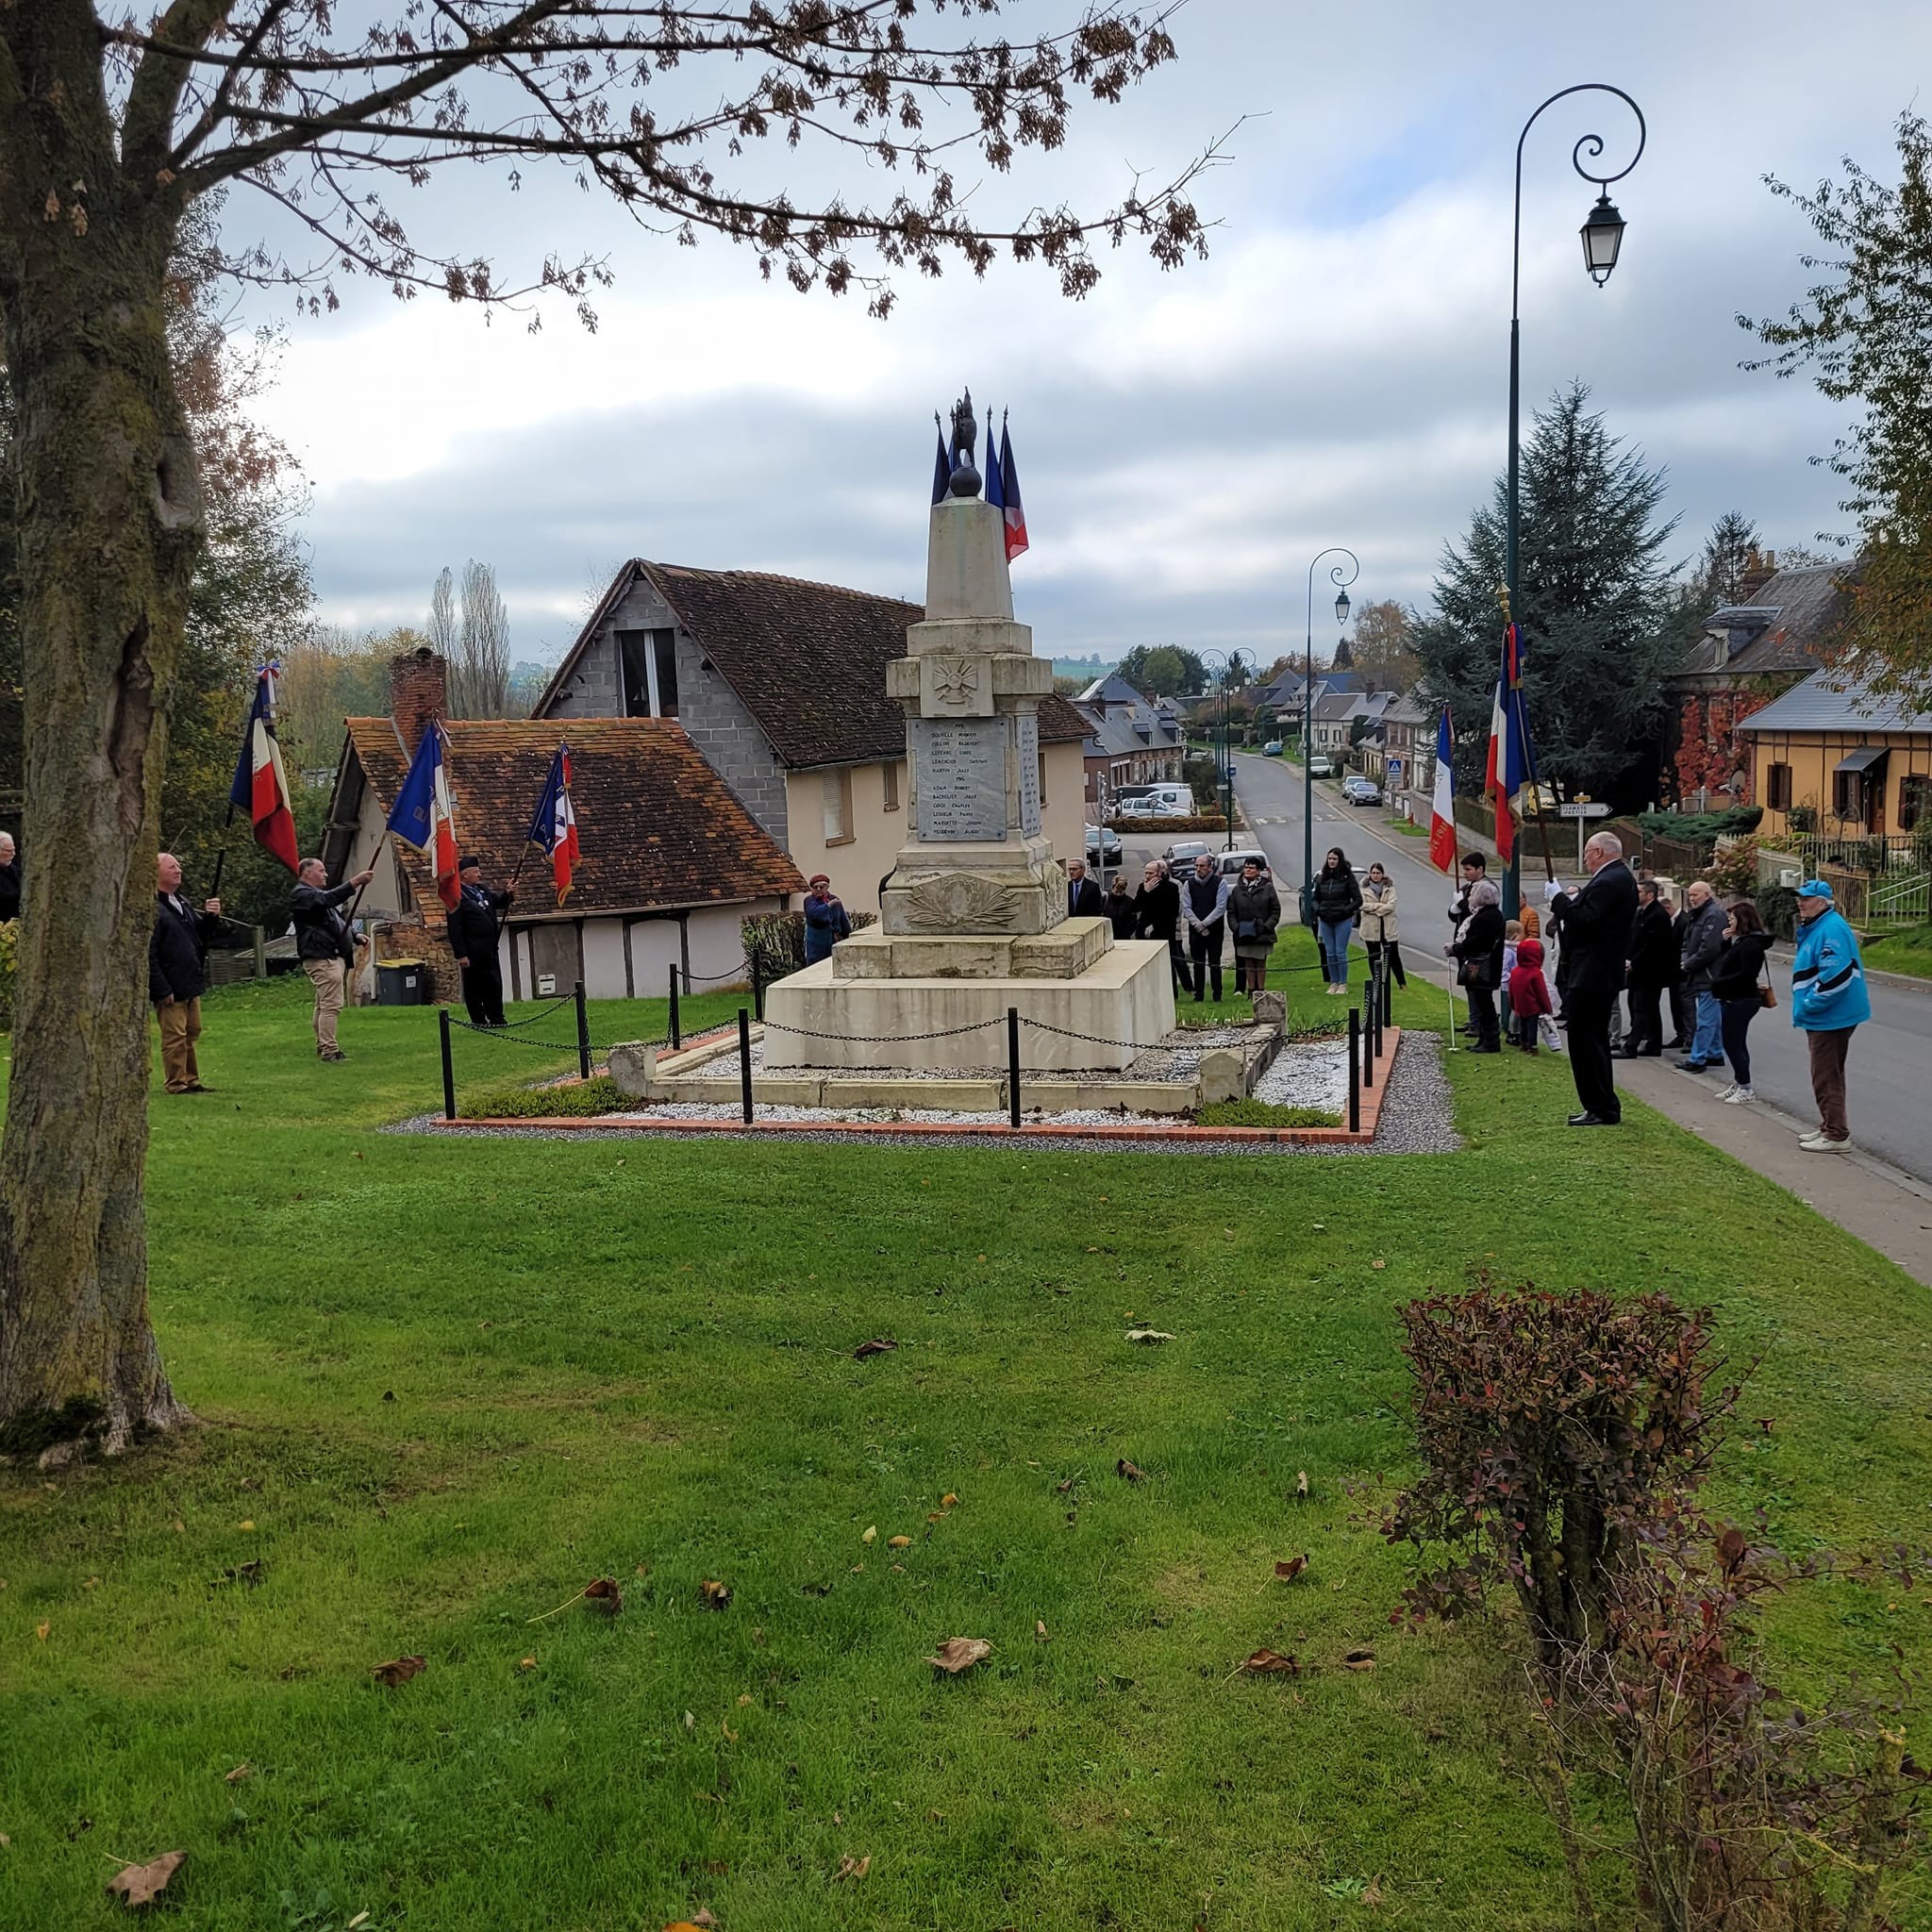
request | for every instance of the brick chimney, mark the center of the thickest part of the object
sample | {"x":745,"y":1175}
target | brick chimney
{"x":1759,"y":571}
{"x":418,"y":692}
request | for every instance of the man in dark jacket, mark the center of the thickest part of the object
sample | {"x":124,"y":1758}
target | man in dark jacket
{"x":325,"y":945}
{"x":9,"y":880}
{"x":1596,"y":924}
{"x":1083,"y":895}
{"x":1204,"y":911}
{"x":1158,"y":916}
{"x":1475,"y":867}
{"x":1683,"y":1017}
{"x":1651,"y":967}
{"x":1703,"y":939}
{"x":474,"y":925}
{"x":178,"y":972}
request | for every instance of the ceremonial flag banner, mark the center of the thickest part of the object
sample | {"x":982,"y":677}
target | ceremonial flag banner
{"x":261,"y":786}
{"x":1443,"y":806}
{"x":423,"y":820}
{"x":554,"y":826}
{"x":1011,"y":508}
{"x":942,"y":471}
{"x":1508,"y":763}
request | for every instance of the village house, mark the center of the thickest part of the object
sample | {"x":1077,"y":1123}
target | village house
{"x":1402,"y":736}
{"x":1344,"y":718}
{"x":1130,"y":740}
{"x":780,"y":685}
{"x":671,"y":863}
{"x":1745,"y":656}
{"x":1853,"y":765}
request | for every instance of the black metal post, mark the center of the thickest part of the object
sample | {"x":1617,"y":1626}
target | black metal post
{"x":1388,"y":995}
{"x":744,"y":1063}
{"x":758,"y":988}
{"x":1355,"y":1071}
{"x":449,"y":1070}
{"x":583,"y":1035}
{"x":1013,"y":1066}
{"x":1369,"y":1037}
{"x":677,"y":1037}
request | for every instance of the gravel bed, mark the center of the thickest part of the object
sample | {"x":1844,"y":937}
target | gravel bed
{"x":1417,"y":1117}
{"x":1311,"y":1074}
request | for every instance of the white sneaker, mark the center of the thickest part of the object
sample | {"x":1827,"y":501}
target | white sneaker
{"x":1821,"y":1145}
{"x":1730,"y":1092}
{"x":1738,"y":1095}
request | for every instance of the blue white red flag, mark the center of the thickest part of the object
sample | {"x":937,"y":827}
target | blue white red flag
{"x":1443,"y":806}
{"x":422,"y":818}
{"x":942,"y":469}
{"x":261,"y":786}
{"x":1509,"y":761}
{"x":1011,"y":509}
{"x":554,"y":826}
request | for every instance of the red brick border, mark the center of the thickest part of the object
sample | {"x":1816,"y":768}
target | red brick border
{"x":1300,"y":1137}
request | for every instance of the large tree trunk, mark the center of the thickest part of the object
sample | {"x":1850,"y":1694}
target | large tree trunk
{"x":110,"y":525}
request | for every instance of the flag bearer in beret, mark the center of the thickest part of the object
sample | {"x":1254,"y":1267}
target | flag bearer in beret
{"x":474,"y":926}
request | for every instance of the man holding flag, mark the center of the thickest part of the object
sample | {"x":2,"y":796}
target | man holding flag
{"x":474,"y":925}
{"x":325,"y":946}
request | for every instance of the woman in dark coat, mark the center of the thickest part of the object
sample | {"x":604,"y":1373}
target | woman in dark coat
{"x":1158,"y":916}
{"x":1735,"y":985}
{"x":1120,"y":907}
{"x":1477,"y":949}
{"x":1253,"y":916}
{"x":1336,"y":900}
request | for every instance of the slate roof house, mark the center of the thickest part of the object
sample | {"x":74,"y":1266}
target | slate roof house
{"x":1862,"y":764}
{"x":671,"y":863}
{"x":780,"y":685}
{"x":1130,"y":740}
{"x":1745,"y":656}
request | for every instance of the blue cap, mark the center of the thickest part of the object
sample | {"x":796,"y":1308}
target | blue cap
{"x":1815,"y":888}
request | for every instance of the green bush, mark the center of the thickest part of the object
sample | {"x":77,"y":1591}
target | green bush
{"x":1701,"y":826}
{"x":1778,"y":907}
{"x":1734,"y":871}
{"x":1264,"y":1113}
{"x":577,"y":1100}
{"x":775,"y":942}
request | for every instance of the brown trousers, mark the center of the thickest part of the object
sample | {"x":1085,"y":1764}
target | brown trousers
{"x":327,"y":976}
{"x":1828,"y":1052}
{"x":180,"y":1022}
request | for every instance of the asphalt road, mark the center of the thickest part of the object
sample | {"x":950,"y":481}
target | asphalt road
{"x":1890,"y":1069}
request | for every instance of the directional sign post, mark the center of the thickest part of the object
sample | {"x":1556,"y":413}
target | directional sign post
{"x":1582,"y":809}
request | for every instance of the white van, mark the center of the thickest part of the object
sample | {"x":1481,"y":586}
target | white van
{"x":1166,"y":802}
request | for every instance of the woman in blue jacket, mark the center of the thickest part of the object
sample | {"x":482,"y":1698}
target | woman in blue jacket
{"x":825,"y":920}
{"x":1828,"y":1001}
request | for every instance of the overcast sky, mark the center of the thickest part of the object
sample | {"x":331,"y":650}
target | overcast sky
{"x":1334,"y":374}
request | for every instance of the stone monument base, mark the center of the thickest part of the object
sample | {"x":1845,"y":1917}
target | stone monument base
{"x":1124,"y":996}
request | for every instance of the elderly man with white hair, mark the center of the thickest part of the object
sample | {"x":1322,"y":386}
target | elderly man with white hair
{"x":9,"y":880}
{"x":1596,"y":923}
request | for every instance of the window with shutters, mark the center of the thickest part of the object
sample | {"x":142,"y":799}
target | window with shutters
{"x":1777,"y":787}
{"x":838,"y":805}
{"x":891,"y":768}
{"x":1914,"y":795}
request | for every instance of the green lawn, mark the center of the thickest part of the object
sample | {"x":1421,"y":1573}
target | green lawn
{"x":447,"y":1382}
{"x":1910,"y":951}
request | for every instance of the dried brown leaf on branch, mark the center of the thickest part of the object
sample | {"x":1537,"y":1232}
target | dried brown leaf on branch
{"x":399,"y":1670}
{"x":604,"y":1595}
{"x":1271,"y":1663}
{"x":880,"y":1345}
{"x":141,"y":1885}
{"x":958,"y":1654}
{"x":1288,"y":1571}
{"x":1131,"y":1471}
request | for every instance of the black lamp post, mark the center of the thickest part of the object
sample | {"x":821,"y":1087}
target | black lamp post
{"x":1335,"y":577}
{"x":1603,"y":236}
{"x":1226,"y":666}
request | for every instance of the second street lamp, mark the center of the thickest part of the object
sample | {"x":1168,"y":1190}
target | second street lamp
{"x":1335,"y":576}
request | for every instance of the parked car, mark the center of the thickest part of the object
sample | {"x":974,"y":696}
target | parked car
{"x":1272,"y":749}
{"x":1103,"y":848}
{"x":1183,"y":853}
{"x":1320,"y":767}
{"x":1360,"y":791}
{"x":1231,"y":862}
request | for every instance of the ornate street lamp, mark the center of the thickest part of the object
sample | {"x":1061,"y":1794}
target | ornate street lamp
{"x":1603,"y":236}
{"x":1335,"y":577}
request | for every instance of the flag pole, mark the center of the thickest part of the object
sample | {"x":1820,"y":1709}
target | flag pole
{"x":1536,"y":789}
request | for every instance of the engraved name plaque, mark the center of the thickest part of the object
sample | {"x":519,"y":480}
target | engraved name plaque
{"x":960,"y":772}
{"x":1026,"y":753}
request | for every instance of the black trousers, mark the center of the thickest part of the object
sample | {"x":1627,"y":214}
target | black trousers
{"x":1590,"y":1050}
{"x":1646,"y":1033}
{"x":1482,"y":1010}
{"x":1683,"y":1013}
{"x":1391,"y":955}
{"x":1177,"y":959}
{"x":1203,"y":951}
{"x":483,"y":991}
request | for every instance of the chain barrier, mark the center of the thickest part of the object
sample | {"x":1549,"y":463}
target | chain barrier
{"x":886,"y":1039}
{"x":542,"y":1013}
{"x":514,"y":1039}
{"x":743,"y":970}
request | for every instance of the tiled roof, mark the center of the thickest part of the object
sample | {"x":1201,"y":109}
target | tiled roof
{"x":807,"y":661}
{"x":1829,"y":701}
{"x":657,"y":825}
{"x":1789,"y":616}
{"x":1115,"y":731}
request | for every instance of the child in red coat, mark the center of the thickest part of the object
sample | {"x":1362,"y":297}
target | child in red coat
{"x":1529,"y":996}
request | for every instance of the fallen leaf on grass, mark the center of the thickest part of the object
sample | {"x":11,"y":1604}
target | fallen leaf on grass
{"x":249,"y":1573}
{"x":527,"y":1663}
{"x":1131,"y":1471}
{"x":1288,"y":1571}
{"x":880,"y":1345}
{"x":872,"y":1531}
{"x":958,"y":1654}
{"x":852,"y":1868}
{"x":899,"y":1542}
{"x":716,"y":1595}
{"x":1040,"y":1631}
{"x":948,"y":1500}
{"x":141,"y":1885}
{"x":1148,"y":1335}
{"x":1271,"y":1663}
{"x":1373,"y":1896}
{"x":41,"y":1631}
{"x":1066,"y":1487}
{"x":246,"y":1523}
{"x":1301,"y":1482}
{"x":399,"y":1670}
{"x":1359,"y":1660}
{"x":239,"y":1772}
{"x":604,"y":1595}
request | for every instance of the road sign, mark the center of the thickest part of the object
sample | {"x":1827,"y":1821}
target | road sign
{"x":1583,"y":808}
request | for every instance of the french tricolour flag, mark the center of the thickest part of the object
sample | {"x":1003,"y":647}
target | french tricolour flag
{"x":554,"y":826}
{"x":1508,"y":764}
{"x":1443,"y":806}
{"x":261,"y":786}
{"x":1003,"y":489}
{"x":423,"y":820}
